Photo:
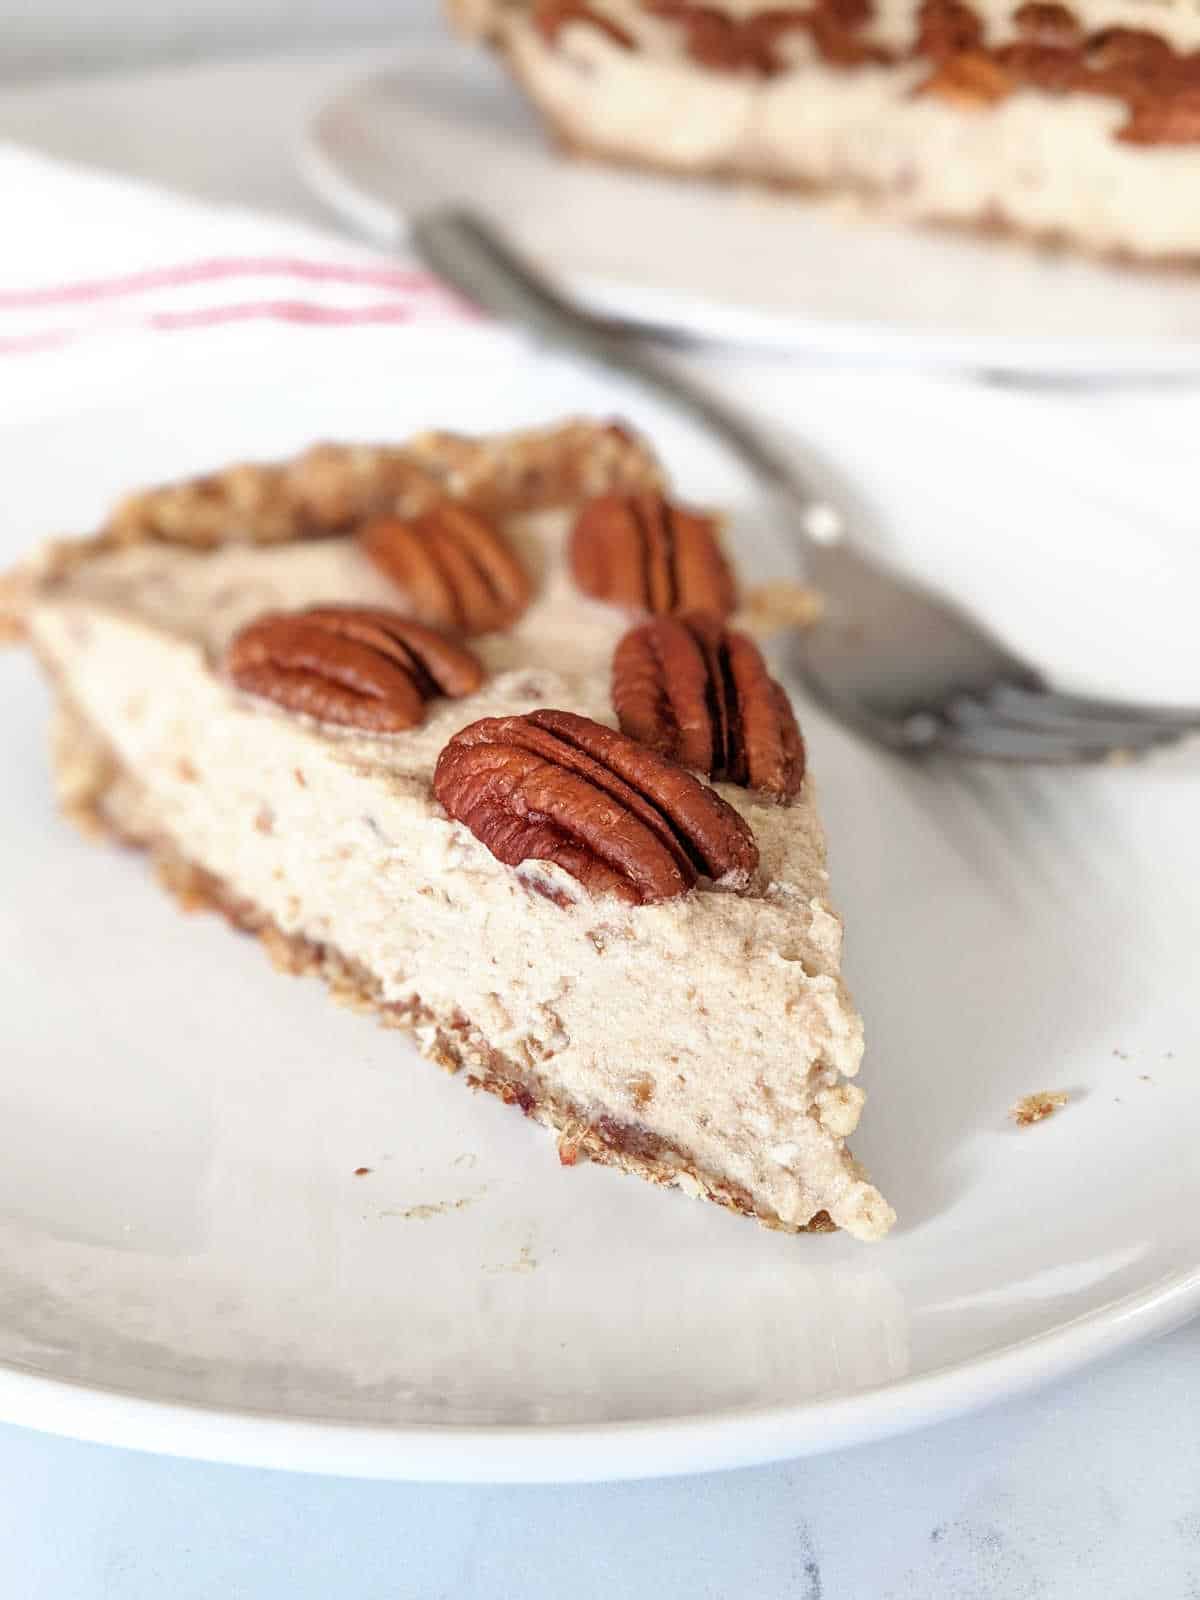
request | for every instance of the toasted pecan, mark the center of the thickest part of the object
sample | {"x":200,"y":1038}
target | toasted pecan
{"x":621,"y":819}
{"x":1051,"y":50}
{"x":552,"y":16}
{"x":1173,"y":119}
{"x":697,"y":692}
{"x":1045,"y":22}
{"x":645,"y":553}
{"x":714,"y":38}
{"x":947,"y":28}
{"x":455,"y":567}
{"x":969,"y":80}
{"x":353,"y":665}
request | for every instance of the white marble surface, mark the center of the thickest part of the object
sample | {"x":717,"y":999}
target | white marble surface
{"x":1090,"y":1488}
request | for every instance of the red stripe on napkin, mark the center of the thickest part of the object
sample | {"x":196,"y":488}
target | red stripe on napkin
{"x":216,"y":269}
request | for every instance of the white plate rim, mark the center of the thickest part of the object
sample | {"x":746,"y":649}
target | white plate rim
{"x":680,"y":1443}
{"x":591,"y":1452}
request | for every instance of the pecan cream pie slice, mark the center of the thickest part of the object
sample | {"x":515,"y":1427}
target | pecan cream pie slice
{"x":467,"y":728}
{"x":1070,"y":119}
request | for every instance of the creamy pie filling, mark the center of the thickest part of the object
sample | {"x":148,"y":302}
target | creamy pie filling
{"x":717,"y":1022}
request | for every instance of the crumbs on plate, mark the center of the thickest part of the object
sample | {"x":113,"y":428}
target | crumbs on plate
{"x":1037,"y":1107}
{"x":771,"y":608}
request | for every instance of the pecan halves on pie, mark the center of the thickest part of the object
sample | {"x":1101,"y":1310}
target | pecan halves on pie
{"x":620,"y":818}
{"x":647,"y":554}
{"x":363,"y":668}
{"x":1172,"y":118}
{"x":697,"y":692}
{"x":970,"y":80}
{"x":550,"y":17}
{"x":456,"y":569}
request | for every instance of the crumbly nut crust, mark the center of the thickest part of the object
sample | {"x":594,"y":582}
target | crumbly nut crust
{"x":328,"y":488}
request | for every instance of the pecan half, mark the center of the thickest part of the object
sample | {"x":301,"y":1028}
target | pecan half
{"x":1042,"y":66}
{"x":352,"y":665}
{"x":552,"y":16}
{"x":714,"y":38}
{"x":1133,"y":50}
{"x":621,"y":819}
{"x":969,"y":80}
{"x":643,"y":552}
{"x":947,"y":28}
{"x":1173,"y":119}
{"x":456,"y":569}
{"x":692,"y":690}
{"x":1045,"y":22}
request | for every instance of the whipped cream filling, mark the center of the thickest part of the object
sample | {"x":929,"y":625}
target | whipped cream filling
{"x":718,"y":1021}
{"x":1039,"y":162}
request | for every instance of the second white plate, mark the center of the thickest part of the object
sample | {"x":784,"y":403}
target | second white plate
{"x":734,"y":264}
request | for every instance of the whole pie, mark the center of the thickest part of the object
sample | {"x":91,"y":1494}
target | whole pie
{"x":1077,"y":122}
{"x":473,"y":729}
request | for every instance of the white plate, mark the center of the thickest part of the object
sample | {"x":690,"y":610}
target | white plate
{"x":736,"y":264}
{"x":187,"y":1259}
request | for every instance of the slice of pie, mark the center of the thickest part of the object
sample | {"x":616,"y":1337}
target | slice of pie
{"x":469,"y":729}
{"x":1078,"y":122}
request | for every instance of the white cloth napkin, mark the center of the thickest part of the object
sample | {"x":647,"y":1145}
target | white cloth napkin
{"x":87,"y":254}
{"x":1067,"y":516}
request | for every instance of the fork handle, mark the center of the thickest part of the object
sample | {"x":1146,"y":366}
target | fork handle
{"x":464,"y":249}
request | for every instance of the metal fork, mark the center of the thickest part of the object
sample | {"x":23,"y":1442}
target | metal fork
{"x":888,"y":657}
